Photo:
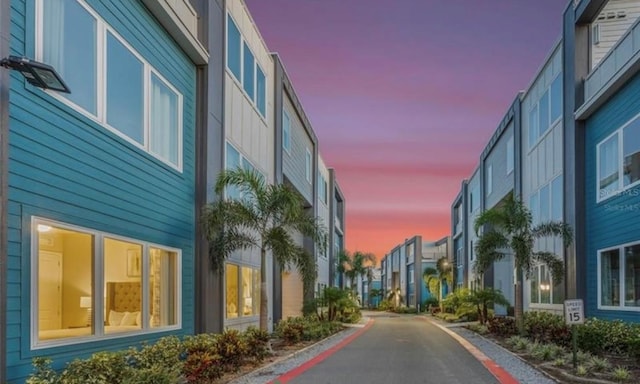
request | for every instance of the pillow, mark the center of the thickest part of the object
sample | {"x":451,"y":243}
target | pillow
{"x":115,"y":318}
{"x":129,"y":318}
{"x":139,"y":318}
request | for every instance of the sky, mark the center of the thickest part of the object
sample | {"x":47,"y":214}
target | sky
{"x":404,"y":96}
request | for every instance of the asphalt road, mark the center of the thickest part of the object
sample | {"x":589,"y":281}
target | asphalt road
{"x":399,"y":349}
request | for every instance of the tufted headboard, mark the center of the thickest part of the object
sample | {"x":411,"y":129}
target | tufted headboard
{"x":124,"y":296}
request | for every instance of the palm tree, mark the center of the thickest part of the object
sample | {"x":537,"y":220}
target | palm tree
{"x":509,"y":228}
{"x":263,"y":217}
{"x":355,"y":265}
{"x":430,"y":277}
{"x":433,"y":277}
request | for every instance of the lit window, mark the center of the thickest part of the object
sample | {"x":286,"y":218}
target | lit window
{"x":242,"y":291}
{"x":67,"y":277}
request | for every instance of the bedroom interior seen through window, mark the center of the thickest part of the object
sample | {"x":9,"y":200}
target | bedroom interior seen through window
{"x":123,"y":281}
{"x":64,"y":282}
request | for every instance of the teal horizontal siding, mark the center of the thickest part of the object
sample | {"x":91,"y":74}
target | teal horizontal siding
{"x":66,"y":167}
{"x":609,"y":223}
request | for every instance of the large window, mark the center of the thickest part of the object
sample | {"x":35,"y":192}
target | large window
{"x":90,"y":285}
{"x":242,"y":291}
{"x":546,"y":203}
{"x":546,"y":111}
{"x":243,"y":65}
{"x":619,"y":171}
{"x":619,"y":278}
{"x":110,"y":81}
{"x":235,"y":160}
{"x":323,"y":189}
{"x":543,"y":289}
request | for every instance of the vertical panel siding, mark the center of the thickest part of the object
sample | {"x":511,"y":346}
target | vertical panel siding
{"x":64,"y":167}
{"x":294,"y":163}
{"x":609,"y":223}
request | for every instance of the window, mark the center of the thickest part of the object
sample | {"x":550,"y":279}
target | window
{"x":543,"y":114}
{"x":611,"y":166}
{"x":308,"y":165}
{"x":544,"y":204}
{"x":533,"y":126}
{"x":286,"y":131}
{"x":556,"y":199}
{"x":489,"y":180}
{"x":235,"y":160}
{"x":129,"y":97}
{"x":471,"y":250}
{"x":93,"y":285}
{"x":534,"y":205}
{"x":543,"y":290}
{"x":233,"y":48}
{"x":595,"y":34}
{"x":323,"y":189}
{"x":556,"y":98}
{"x":243,"y":65}
{"x":619,"y":278}
{"x":242,"y":291}
{"x":510,"y":156}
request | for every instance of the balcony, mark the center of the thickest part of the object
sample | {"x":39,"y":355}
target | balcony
{"x":612,"y":71}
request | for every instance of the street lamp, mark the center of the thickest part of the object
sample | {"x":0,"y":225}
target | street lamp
{"x":38,"y":74}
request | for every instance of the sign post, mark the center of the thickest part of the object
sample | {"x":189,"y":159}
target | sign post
{"x":574,"y":314}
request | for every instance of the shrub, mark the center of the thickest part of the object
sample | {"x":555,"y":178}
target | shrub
{"x":385,"y":305}
{"x":546,"y":352}
{"x":290,"y":330}
{"x":581,"y":370}
{"x":153,"y":375}
{"x":547,"y":327}
{"x":405,"y":310}
{"x":518,"y":343}
{"x":559,"y":362}
{"x":431,"y":302}
{"x":502,"y":326}
{"x":478,"y":328}
{"x":43,"y":373}
{"x":616,"y":337}
{"x":258,"y":341}
{"x":203,"y":367}
{"x":100,"y":368}
{"x":621,"y":374}
{"x":598,"y":364}
{"x":232,"y":347}
{"x":166,"y":352}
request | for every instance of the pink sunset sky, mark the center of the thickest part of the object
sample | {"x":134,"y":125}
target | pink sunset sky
{"x":404,"y":95}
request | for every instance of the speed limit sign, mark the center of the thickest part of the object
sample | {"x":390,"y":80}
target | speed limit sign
{"x":574,"y":311}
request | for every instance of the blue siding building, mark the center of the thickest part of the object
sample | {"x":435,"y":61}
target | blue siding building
{"x":101,"y":212}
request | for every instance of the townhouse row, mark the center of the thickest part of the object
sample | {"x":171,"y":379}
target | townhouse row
{"x":569,"y":147}
{"x":101,"y":189}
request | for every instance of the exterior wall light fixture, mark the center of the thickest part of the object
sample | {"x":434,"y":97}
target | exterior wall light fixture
{"x":38,"y":74}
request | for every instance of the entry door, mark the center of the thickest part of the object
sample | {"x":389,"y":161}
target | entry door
{"x":49,"y":291}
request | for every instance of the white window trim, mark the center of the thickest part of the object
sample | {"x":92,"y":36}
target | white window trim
{"x":620,"y":188}
{"x":98,"y":287}
{"x":102,"y":31}
{"x":538,"y":304}
{"x":240,"y":82}
{"x":621,"y":279}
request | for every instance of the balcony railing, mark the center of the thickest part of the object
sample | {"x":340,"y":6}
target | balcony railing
{"x":623,"y":54}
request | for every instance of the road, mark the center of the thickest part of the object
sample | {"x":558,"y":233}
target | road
{"x":399,"y":349}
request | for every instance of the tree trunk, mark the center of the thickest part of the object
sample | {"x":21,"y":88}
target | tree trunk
{"x":264,"y":300}
{"x":519,"y":303}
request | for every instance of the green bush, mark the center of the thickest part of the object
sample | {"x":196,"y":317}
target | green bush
{"x":502,"y":326}
{"x":167,"y":352}
{"x":296,"y":329}
{"x":203,"y":367}
{"x":43,"y":373}
{"x":233,"y":349}
{"x":258,"y":342}
{"x":615,"y":337}
{"x":547,"y":327}
{"x":431,"y":302}
{"x":100,"y":368}
{"x":405,"y":310}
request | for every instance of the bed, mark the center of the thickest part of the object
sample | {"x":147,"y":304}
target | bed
{"x":122,"y":314}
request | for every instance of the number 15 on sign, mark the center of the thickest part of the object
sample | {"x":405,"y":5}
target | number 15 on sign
{"x":573,"y":312}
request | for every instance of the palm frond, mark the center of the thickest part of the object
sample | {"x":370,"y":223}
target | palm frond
{"x":555,"y":229}
{"x":522,"y":247}
{"x":556,"y":266}
{"x":495,"y":218}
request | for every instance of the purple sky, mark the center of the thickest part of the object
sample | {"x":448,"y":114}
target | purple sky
{"x":404,"y":95}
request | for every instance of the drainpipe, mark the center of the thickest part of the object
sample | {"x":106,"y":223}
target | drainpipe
{"x":5,"y":10}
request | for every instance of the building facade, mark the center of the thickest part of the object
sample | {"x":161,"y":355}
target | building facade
{"x":101,"y":220}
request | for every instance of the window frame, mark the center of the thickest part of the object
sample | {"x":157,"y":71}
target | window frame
{"x":286,"y":144}
{"x":539,"y":134}
{"x":489,"y":181}
{"x":256,"y":66}
{"x":98,"y":287}
{"x":103,"y":29}
{"x":621,"y":188}
{"x":621,"y":278}
{"x":240,"y":294}
{"x":511,"y":157}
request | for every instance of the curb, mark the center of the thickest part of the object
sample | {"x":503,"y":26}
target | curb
{"x":348,"y":328}
{"x":497,"y":371}
{"x":300,"y":369}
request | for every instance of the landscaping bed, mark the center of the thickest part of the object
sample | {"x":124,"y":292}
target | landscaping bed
{"x":608,"y":350}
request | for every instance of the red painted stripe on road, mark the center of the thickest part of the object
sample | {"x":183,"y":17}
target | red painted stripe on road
{"x":292,"y":374}
{"x":497,"y":371}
